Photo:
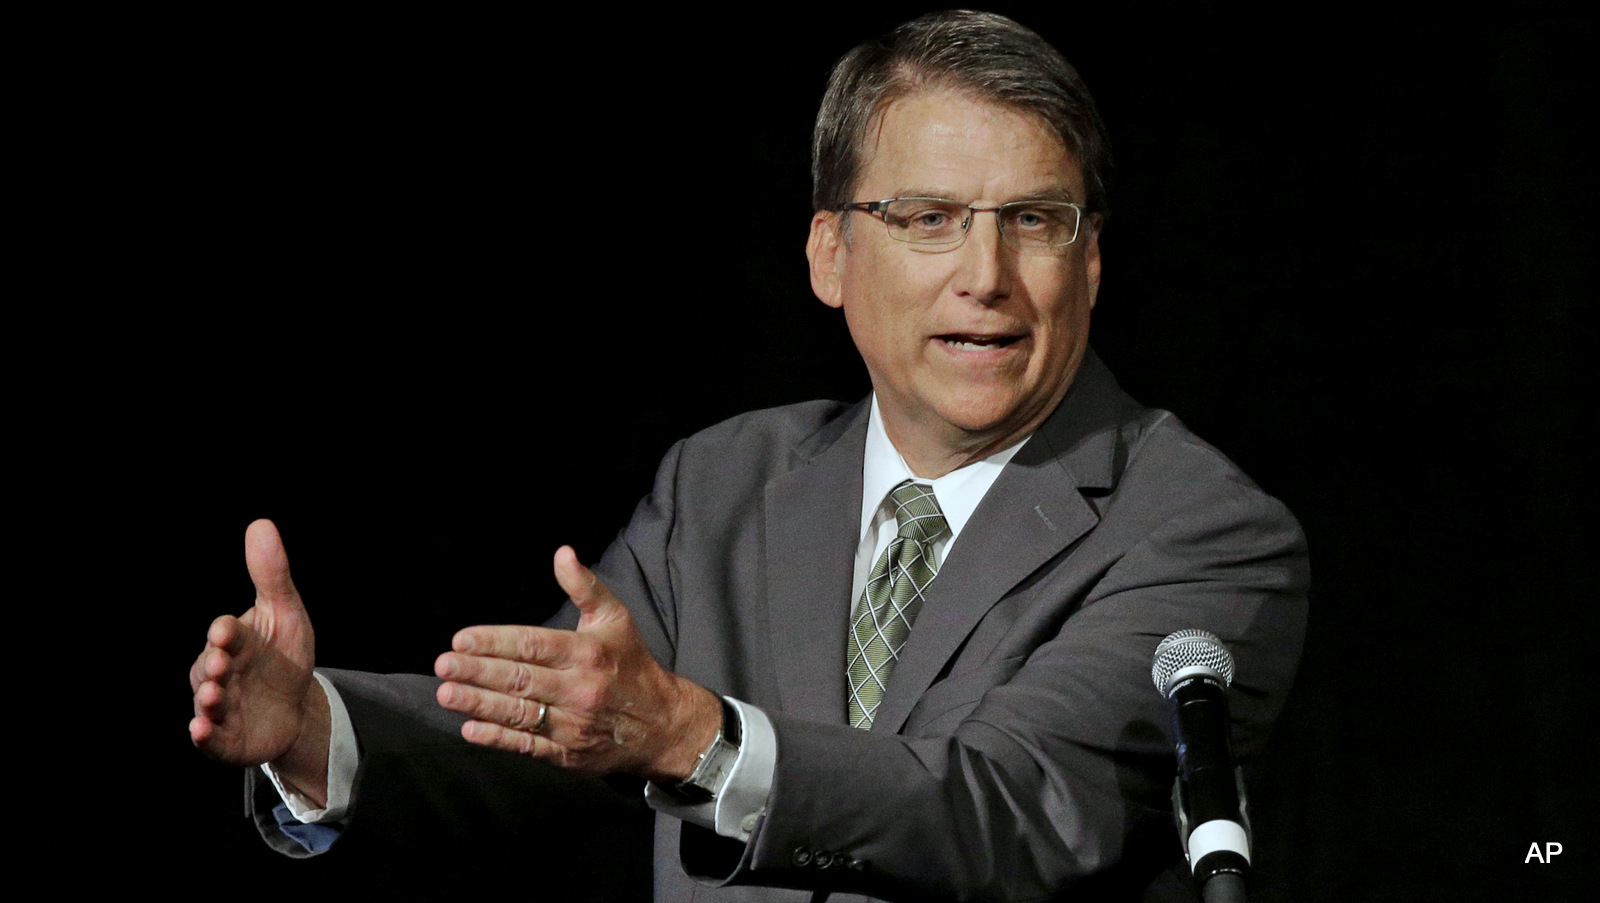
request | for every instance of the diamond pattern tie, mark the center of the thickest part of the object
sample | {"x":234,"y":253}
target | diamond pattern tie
{"x":882,"y":619}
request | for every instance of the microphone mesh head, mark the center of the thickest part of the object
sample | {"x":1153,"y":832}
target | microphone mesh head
{"x":1189,"y":649}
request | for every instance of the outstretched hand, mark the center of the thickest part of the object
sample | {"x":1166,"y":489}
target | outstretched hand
{"x":609,"y":706}
{"x":255,"y":700}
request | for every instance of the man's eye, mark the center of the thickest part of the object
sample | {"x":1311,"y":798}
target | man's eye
{"x":930,"y":219}
{"x":925,"y":220}
{"x":1035,"y":219}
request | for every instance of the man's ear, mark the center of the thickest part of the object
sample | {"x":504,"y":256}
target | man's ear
{"x":1091,"y":266}
{"x":825,"y":249}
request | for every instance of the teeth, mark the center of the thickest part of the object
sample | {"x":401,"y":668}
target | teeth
{"x":965,"y":345}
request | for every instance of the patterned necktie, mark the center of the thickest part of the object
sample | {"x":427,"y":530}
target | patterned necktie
{"x":883,"y":616}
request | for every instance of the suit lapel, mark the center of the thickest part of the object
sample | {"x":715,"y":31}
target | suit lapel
{"x":1031,"y":514}
{"x":813,"y":516}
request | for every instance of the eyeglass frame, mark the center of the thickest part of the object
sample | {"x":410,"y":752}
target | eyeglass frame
{"x":876,"y":209}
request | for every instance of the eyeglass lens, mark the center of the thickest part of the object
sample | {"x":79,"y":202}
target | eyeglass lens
{"x":1024,"y":224}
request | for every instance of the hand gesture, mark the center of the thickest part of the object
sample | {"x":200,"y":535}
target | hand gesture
{"x":606,"y":704}
{"x":255,"y":700}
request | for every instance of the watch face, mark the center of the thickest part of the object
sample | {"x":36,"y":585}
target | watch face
{"x":720,"y":760}
{"x":709,"y":773}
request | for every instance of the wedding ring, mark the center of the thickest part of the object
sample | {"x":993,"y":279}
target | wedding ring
{"x":544,"y":715}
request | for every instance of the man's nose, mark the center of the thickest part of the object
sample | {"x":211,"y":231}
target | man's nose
{"x":984,"y":271}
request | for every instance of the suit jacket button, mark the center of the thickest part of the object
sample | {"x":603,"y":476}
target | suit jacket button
{"x":823,"y":859}
{"x":801,"y":857}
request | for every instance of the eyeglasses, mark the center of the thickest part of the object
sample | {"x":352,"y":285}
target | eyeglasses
{"x":939,"y":224}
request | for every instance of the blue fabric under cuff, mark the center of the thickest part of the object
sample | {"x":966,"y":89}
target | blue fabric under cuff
{"x":316,"y":838}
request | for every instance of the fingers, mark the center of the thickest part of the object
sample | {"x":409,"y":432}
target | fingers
{"x":209,"y":712}
{"x":517,"y":642}
{"x":226,"y":633}
{"x":501,"y":721}
{"x":483,"y":733}
{"x":206,"y":679}
{"x":519,"y":679}
{"x":563,"y":741}
{"x":209,"y":665}
{"x":222,"y":638}
{"x":268,"y":562}
{"x":543,"y":646}
{"x":517,"y":713}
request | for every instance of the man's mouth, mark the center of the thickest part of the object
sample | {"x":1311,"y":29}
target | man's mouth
{"x":962,"y":342}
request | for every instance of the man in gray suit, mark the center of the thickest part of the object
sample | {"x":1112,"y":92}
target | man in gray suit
{"x":898,"y":648}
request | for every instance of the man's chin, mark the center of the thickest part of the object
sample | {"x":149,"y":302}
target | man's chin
{"x":973,"y":427}
{"x":995,"y":423}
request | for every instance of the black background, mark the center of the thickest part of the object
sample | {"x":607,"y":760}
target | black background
{"x":373,"y":296}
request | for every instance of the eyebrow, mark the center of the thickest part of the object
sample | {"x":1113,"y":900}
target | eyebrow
{"x":1058,"y":193}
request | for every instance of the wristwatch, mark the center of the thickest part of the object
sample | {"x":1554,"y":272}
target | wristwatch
{"x":715,"y":762}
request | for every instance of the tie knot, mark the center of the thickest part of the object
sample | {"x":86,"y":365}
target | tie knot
{"x":917,"y":512}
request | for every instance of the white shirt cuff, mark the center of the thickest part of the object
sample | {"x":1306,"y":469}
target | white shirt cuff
{"x":343,"y":758}
{"x":742,"y":799}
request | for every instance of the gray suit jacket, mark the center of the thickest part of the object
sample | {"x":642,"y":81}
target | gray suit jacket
{"x":1020,"y":749}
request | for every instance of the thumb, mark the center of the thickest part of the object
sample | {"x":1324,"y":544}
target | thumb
{"x":594,"y":599}
{"x":268,"y":562}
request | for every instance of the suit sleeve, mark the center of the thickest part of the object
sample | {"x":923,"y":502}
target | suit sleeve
{"x":424,"y":792}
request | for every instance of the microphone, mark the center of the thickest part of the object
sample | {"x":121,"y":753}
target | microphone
{"x":1192,"y":669}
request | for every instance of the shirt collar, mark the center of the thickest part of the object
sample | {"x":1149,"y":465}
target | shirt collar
{"x":958,"y":491}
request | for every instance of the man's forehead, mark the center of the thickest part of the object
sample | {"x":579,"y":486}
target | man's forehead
{"x":938,"y":138}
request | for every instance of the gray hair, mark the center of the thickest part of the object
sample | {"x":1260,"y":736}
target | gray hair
{"x":984,"y":54}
